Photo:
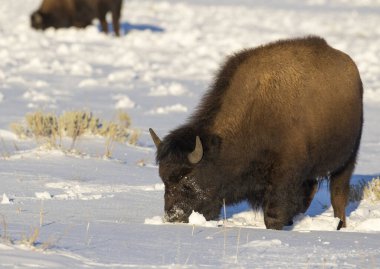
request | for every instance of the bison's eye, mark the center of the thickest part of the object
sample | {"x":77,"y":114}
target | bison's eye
{"x":188,"y":190}
{"x":187,"y":185}
{"x":183,"y":178}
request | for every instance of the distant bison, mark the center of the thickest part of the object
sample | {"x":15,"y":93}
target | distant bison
{"x":77,"y":13}
{"x":277,"y":119}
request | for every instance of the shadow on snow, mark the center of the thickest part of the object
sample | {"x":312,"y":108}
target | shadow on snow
{"x":319,"y":205}
{"x":126,"y":27}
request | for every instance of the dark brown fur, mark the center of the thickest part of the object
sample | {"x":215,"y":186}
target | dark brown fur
{"x":77,"y":13}
{"x":277,"y":118}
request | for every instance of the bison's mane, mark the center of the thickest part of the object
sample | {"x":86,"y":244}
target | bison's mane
{"x":211,"y":102}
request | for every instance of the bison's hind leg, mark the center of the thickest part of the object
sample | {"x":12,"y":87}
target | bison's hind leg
{"x":339,"y":190}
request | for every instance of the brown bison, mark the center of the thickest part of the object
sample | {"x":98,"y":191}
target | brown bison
{"x":77,"y":13}
{"x":277,"y":119}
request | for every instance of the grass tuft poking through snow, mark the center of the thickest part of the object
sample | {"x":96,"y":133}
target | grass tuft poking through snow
{"x":4,"y":235}
{"x":31,"y":239}
{"x":365,"y":190}
{"x":372,"y":190}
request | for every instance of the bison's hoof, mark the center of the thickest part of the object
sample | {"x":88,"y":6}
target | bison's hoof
{"x":340,"y":225}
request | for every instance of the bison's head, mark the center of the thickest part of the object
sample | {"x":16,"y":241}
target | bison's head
{"x":185,"y":175}
{"x":41,"y":21}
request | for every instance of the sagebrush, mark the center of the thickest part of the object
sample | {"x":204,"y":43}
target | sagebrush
{"x":50,"y":128}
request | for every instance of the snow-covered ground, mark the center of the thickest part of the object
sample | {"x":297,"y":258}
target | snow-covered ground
{"x":97,"y":212}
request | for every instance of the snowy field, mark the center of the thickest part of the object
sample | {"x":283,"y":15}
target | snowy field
{"x":96,"y":212}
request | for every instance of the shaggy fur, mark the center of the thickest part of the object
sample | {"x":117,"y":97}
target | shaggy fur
{"x":277,"y":118}
{"x":77,"y":13}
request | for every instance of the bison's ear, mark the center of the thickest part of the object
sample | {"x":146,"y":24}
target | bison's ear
{"x":155,"y":138}
{"x":197,"y":154}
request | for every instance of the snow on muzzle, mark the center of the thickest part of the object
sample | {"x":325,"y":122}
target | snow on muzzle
{"x":177,"y":214}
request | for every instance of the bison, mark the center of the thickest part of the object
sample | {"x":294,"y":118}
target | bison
{"x":77,"y":13}
{"x":277,"y":119}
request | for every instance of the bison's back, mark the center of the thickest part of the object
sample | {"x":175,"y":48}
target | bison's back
{"x":298,"y":98}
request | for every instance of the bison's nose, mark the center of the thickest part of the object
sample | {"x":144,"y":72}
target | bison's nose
{"x":176,"y":215}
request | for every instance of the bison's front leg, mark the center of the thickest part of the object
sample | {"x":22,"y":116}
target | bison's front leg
{"x":102,"y":19}
{"x":282,"y":202}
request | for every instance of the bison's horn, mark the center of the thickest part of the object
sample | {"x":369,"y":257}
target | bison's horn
{"x":197,"y":154}
{"x":155,"y":137}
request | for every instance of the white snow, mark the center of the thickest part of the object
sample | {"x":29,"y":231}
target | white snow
{"x":175,"y":89}
{"x":36,"y":96}
{"x":43,"y":195}
{"x":87,"y":83}
{"x":177,"y":108}
{"x":5,"y":247}
{"x":156,"y":220}
{"x":123,"y":102}
{"x":95,"y":212}
{"x":5,"y":200}
{"x":197,"y":219}
{"x":371,"y":224}
{"x":5,"y":134}
{"x":325,"y":222}
{"x":263,"y":243}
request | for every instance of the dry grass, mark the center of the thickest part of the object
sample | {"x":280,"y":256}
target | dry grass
{"x":4,"y":150}
{"x":372,"y":190}
{"x":124,"y":119}
{"x":74,"y":124}
{"x":4,"y":235}
{"x":44,"y":127}
{"x":49,"y":128}
{"x":118,"y":131}
{"x":19,"y":130}
{"x":31,"y":239}
{"x":356,"y":191}
{"x":365,"y":190}
{"x":112,"y":133}
{"x":134,"y":137}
